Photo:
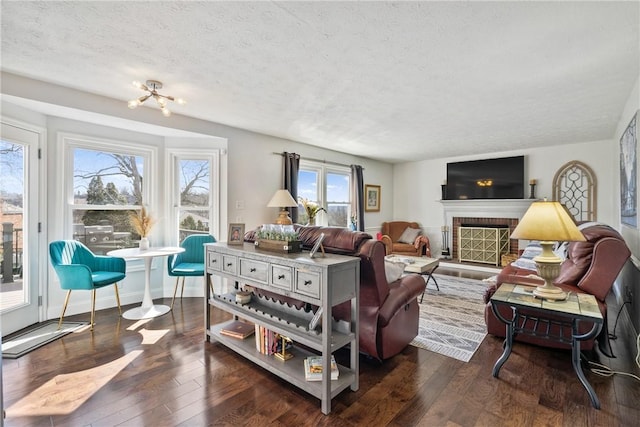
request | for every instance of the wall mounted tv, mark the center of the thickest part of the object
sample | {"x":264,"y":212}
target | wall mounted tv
{"x":501,"y":178}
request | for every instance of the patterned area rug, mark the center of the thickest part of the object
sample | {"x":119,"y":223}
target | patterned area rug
{"x":452,"y":319}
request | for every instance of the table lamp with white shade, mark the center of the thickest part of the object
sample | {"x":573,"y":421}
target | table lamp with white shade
{"x":282,"y":199}
{"x":548,"y":222}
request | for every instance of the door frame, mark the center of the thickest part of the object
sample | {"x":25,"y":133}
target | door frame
{"x":38,"y":255}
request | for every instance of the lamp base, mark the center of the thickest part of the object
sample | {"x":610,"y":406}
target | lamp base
{"x":548,"y":266}
{"x":284,"y":218}
{"x":554,"y":293}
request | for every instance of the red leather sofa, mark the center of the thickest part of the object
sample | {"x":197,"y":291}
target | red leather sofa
{"x":389,"y":312}
{"x":591,"y":267}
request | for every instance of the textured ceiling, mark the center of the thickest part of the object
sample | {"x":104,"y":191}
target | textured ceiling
{"x":393,"y":81}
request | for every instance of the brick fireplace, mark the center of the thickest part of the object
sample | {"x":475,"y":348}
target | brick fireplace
{"x":490,"y":213}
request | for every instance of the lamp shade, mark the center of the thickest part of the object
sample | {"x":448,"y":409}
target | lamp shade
{"x":282,"y":199}
{"x":547,"y":221}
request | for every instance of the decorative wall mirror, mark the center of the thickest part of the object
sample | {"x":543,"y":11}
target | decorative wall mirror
{"x":574,"y":185}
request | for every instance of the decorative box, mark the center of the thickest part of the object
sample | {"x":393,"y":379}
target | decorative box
{"x":279,"y":245}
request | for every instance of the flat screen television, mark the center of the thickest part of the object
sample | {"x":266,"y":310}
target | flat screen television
{"x":501,"y":178}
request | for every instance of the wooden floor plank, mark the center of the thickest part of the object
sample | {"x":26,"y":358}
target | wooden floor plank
{"x":179,"y":379}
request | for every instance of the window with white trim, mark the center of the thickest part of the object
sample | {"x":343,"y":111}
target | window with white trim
{"x":195,"y":190}
{"x":106,"y":183}
{"x":328,"y":186}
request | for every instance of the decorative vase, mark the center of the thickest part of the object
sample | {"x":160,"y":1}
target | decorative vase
{"x":312,"y":221}
{"x":144,"y":243}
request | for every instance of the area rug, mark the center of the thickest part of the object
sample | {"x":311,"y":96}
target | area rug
{"x":452,"y":319}
{"x":42,"y":334}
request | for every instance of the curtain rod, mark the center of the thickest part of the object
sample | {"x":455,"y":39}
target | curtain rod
{"x":319,"y":160}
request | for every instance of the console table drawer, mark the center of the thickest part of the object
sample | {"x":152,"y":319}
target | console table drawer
{"x":254,"y":270}
{"x":214,"y":260}
{"x":308,"y":283}
{"x":229,"y":264}
{"x":281,"y":277}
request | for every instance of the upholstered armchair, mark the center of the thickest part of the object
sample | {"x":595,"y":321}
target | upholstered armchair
{"x":404,"y":238}
{"x":189,"y":263}
{"x":78,"y":268}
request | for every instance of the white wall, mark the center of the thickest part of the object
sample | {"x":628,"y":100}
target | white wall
{"x":250,"y":171}
{"x":417,"y":185}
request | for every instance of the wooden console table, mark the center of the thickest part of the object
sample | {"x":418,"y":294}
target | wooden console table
{"x":577,"y":308}
{"x":323,"y":282}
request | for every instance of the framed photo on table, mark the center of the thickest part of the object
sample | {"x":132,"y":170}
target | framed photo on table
{"x":236,"y":234}
{"x":371,"y":198}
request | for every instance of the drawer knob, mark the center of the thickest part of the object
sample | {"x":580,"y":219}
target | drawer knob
{"x":307,"y":282}
{"x":252,"y":269}
{"x":229,"y":264}
{"x":213,"y":261}
{"x":281,"y":276}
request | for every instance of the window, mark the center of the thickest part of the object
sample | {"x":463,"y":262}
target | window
{"x":107,"y":183}
{"x":327,"y":186}
{"x":194,"y":207}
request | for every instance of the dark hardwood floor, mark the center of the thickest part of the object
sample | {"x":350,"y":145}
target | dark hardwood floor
{"x":162,"y":373}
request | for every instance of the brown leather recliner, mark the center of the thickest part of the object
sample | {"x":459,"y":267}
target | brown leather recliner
{"x":591,"y":267}
{"x":391,"y":232}
{"x":389,"y":312}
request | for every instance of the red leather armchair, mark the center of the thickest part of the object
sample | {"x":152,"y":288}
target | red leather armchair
{"x":389,"y":312}
{"x":591,"y":267}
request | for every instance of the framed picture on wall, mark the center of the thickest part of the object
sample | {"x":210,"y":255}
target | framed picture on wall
{"x":236,"y":234}
{"x":372,"y":198}
{"x":628,"y":174}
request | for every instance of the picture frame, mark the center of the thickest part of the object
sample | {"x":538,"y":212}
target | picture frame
{"x":236,"y":234}
{"x":371,"y":198}
{"x":316,"y":246}
{"x":628,"y":174}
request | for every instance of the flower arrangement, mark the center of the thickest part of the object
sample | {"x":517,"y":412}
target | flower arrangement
{"x":311,"y":208}
{"x":142,"y":222}
{"x":353,"y":221}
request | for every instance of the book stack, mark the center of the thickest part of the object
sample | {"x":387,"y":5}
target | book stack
{"x":267,"y":341}
{"x":238,"y":329}
{"x":313,"y":368}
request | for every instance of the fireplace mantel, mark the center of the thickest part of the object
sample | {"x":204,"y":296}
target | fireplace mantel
{"x":509,"y":210}
{"x":485,"y":208}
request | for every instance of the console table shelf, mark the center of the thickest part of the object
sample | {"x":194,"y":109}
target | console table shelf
{"x":323,"y":282}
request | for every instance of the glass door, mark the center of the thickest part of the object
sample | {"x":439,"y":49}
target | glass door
{"x":19,"y":196}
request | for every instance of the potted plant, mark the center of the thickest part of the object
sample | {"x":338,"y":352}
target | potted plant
{"x":311,"y":209}
{"x":142,"y":222}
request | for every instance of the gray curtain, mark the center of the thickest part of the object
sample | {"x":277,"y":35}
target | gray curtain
{"x":357,"y":195}
{"x":291,"y":166}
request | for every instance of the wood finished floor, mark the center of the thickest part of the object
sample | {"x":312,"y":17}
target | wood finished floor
{"x":163,"y":373}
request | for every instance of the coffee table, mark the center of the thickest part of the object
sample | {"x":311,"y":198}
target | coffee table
{"x":420,"y":265}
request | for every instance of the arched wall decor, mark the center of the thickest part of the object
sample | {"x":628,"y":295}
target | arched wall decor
{"x":574,"y":185}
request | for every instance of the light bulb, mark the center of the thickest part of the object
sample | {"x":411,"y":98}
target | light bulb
{"x":181,"y":101}
{"x":133,"y":103}
{"x":165,"y":111}
{"x":138,"y":84}
{"x":161,"y":101}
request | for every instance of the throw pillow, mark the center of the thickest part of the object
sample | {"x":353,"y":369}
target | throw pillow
{"x":393,"y":270}
{"x":409,"y":235}
{"x":526,"y":261}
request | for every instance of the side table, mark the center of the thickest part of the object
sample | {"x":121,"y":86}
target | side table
{"x":567,"y":313}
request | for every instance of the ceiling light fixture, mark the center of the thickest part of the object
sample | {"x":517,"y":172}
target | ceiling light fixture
{"x":152,"y":87}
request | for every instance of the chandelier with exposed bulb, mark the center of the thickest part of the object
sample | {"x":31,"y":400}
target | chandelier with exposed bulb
{"x":152,"y":87}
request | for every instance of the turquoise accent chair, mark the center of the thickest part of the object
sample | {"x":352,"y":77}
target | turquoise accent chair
{"x":80,"y":269}
{"x":190,"y":262}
